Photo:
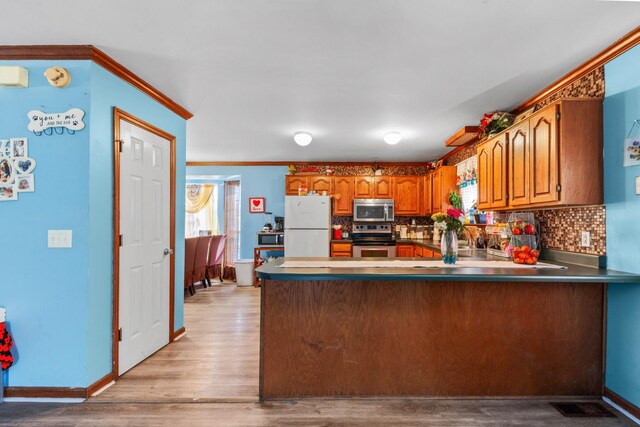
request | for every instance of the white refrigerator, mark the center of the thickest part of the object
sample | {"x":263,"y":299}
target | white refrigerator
{"x":307,"y":226}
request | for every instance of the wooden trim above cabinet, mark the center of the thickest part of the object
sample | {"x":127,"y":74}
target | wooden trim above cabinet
{"x":296,"y":162}
{"x":92,"y":53}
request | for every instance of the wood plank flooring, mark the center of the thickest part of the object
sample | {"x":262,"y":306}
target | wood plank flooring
{"x":308,"y":412}
{"x":217,"y":359}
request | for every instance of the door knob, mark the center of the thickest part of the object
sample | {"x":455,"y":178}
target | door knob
{"x":168,"y":251}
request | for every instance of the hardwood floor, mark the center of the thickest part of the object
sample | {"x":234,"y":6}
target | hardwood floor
{"x":218,"y":358}
{"x":210,"y":377}
{"x":308,"y":412}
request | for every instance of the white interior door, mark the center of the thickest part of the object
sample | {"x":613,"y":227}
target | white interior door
{"x":144,"y":225}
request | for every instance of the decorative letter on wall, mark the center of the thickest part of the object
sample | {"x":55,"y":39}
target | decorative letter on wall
{"x":16,"y":168}
{"x":41,"y":122}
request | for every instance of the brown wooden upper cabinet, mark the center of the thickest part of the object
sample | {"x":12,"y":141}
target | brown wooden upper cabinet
{"x":321,"y":183}
{"x":492,"y":173}
{"x":364,"y":187}
{"x":293,"y":182}
{"x":384,"y":187}
{"x":443,"y":181}
{"x":373,"y":187}
{"x":562,"y":154}
{"x":408,"y":195}
{"x":343,"y":190}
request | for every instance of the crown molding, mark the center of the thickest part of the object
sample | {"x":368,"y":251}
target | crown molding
{"x":92,"y":53}
{"x":296,"y":162}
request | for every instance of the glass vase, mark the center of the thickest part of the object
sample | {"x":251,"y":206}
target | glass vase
{"x":449,"y":247}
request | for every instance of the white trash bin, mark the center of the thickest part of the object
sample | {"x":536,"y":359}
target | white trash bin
{"x":244,"y":272}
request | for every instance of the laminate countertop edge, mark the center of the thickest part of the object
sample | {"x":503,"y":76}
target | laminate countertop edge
{"x":572,"y":273}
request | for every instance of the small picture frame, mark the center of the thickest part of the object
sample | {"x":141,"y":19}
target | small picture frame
{"x":256,"y":205}
{"x":632,"y":151}
{"x":8,"y":192}
{"x":7,"y":171}
{"x":25,"y":184}
{"x":19,"y":147}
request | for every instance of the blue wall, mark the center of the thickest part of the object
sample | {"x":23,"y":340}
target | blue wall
{"x":621,"y":108}
{"x":45,"y":290}
{"x":59,"y":301}
{"x":108,"y":91}
{"x":255,"y":181}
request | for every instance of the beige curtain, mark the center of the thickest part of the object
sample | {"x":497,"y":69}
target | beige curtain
{"x":231,"y":224}
{"x":198,"y":196}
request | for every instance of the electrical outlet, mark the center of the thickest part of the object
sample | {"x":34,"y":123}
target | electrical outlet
{"x":586,"y":239}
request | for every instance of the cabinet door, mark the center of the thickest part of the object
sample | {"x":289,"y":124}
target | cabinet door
{"x":292,"y":182}
{"x":407,"y":195}
{"x":519,"y":164}
{"x":383,"y":187}
{"x":343,"y":195}
{"x":427,"y":253}
{"x":404,"y":250}
{"x":320,"y":184}
{"x":364,"y":187}
{"x":427,"y":196}
{"x":419,"y":251}
{"x":485,"y":182}
{"x":543,"y":157}
{"x":498,"y":172}
{"x":436,"y":190}
{"x":341,"y":250}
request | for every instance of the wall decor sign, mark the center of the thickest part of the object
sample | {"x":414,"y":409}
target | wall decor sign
{"x":47,"y":123}
{"x":15,"y":169}
{"x":632,"y":145}
{"x":256,"y":204}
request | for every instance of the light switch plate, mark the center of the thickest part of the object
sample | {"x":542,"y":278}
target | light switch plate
{"x":637,"y":185}
{"x":59,"y":238}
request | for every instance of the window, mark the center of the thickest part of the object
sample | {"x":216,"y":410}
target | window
{"x":467,"y":182}
{"x":201,"y":210}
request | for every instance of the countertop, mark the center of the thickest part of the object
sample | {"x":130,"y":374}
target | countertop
{"x":573,"y":273}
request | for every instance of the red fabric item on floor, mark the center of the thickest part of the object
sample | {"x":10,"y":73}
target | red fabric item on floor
{"x":6,"y":359}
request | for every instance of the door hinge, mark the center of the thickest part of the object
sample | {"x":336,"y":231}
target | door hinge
{"x":558,"y":188}
{"x":119,"y":334}
{"x":121,"y":144}
{"x":558,"y":115}
{"x":120,"y":240}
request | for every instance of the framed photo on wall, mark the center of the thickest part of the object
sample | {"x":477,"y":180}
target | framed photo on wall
{"x":256,"y":204}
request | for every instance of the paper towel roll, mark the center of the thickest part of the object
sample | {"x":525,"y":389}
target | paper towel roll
{"x":3,"y":315}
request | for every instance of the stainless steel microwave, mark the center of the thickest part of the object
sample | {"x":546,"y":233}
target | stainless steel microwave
{"x":270,"y":238}
{"x":373,"y":210}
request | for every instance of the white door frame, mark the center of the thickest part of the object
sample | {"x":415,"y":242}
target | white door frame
{"x":119,"y":115}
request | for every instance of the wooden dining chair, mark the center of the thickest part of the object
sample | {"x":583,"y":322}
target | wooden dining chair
{"x":200,"y":265}
{"x":189,"y":262}
{"x":216,"y":255}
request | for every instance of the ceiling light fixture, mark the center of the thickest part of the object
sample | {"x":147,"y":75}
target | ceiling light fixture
{"x":392,"y":138}
{"x":302,"y":138}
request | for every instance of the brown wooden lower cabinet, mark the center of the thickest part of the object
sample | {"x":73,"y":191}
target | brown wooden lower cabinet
{"x":430,"y":338}
{"x":411,"y":250}
{"x":341,"y":249}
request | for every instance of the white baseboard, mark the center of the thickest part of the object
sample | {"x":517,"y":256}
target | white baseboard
{"x":43,"y":400}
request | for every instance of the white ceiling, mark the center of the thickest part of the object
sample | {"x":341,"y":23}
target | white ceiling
{"x":255,"y":71}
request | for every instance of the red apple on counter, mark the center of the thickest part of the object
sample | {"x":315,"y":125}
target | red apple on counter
{"x":517,"y":231}
{"x":529,"y":229}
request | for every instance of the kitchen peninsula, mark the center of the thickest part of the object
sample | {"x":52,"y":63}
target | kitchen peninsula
{"x":432,"y":331}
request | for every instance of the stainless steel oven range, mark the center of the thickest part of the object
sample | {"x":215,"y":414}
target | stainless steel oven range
{"x":373,"y":240}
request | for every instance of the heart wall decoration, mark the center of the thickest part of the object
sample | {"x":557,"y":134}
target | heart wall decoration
{"x":256,"y":205}
{"x":16,"y":169}
{"x":24,"y":165}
